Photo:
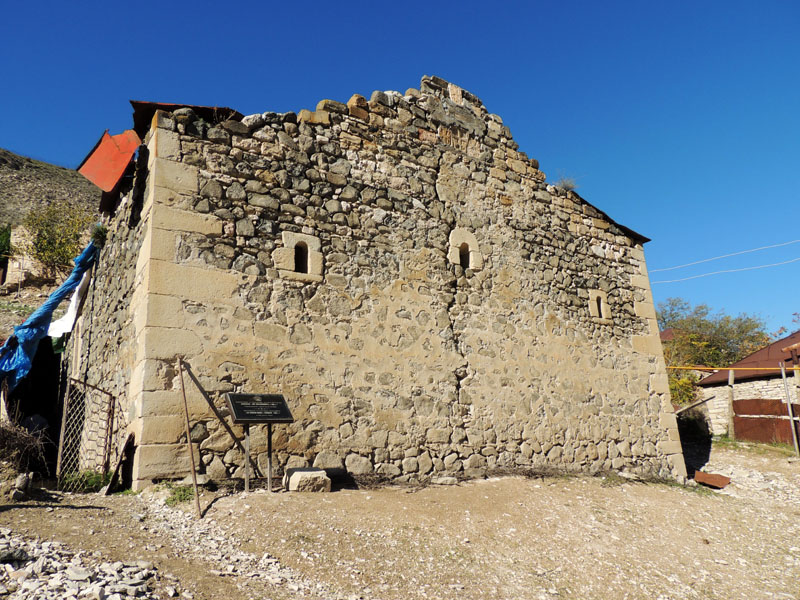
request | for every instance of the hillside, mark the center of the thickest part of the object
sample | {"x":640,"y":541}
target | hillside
{"x":25,"y":182}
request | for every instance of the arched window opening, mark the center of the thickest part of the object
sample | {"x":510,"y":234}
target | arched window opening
{"x":301,"y":258}
{"x":463,"y":255}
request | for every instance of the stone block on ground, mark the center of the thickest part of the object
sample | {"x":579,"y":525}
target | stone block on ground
{"x":306,"y":480}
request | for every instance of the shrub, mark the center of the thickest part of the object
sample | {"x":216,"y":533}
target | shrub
{"x":179,"y":494}
{"x":99,"y":235}
{"x":21,"y":448}
{"x":567,"y":183}
{"x":56,"y":233}
{"x":682,"y":386}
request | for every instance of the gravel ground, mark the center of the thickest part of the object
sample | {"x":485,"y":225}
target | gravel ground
{"x":511,"y":537}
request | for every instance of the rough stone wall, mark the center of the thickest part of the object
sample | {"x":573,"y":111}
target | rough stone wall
{"x":21,"y":267}
{"x":103,"y":345}
{"x":718,"y":409}
{"x":542,"y":350}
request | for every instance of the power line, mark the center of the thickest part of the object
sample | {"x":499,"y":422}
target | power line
{"x":697,"y":262}
{"x":786,"y":262}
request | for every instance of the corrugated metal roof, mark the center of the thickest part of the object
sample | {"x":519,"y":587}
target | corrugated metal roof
{"x":105,"y":165}
{"x":768,"y":356}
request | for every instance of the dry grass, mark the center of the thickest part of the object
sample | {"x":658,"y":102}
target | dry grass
{"x":20,"y":448}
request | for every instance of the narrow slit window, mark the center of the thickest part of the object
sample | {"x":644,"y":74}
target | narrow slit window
{"x":598,"y":306}
{"x":301,"y":258}
{"x":463,"y":255}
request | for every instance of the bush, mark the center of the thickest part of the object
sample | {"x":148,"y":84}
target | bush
{"x":99,"y":235}
{"x":567,"y":183}
{"x":682,"y":386}
{"x":21,"y":448}
{"x":56,"y":234}
{"x":179,"y":494}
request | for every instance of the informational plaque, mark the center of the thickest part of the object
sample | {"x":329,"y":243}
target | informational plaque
{"x":259,"y":408}
{"x":247,"y":409}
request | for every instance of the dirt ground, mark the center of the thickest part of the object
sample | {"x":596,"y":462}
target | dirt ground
{"x":512,"y":537}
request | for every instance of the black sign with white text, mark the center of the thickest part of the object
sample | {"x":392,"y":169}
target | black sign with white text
{"x":259,"y":408}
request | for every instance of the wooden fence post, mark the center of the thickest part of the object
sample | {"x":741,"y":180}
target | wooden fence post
{"x":731,"y":430}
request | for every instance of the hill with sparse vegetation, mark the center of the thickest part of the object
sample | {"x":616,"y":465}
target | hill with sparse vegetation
{"x":25,"y":183}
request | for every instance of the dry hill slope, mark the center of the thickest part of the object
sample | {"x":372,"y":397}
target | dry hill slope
{"x":24,"y":182}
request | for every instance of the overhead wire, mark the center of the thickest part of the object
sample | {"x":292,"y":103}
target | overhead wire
{"x":705,"y":260}
{"x":786,"y":262}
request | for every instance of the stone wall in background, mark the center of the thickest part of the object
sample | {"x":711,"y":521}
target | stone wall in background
{"x":718,"y":406}
{"x":428,"y":304}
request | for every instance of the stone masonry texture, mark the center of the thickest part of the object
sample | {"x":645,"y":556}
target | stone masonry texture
{"x":401,"y":273}
{"x":717,"y":407}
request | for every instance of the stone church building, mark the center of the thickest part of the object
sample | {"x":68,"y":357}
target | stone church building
{"x":395,"y":267}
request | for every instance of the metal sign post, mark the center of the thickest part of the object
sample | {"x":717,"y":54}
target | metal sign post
{"x":247,"y":457}
{"x":258,"y":408}
{"x":789,"y":409}
{"x":269,"y":457}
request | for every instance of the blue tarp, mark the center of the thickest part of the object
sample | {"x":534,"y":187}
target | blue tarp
{"x":16,"y":355}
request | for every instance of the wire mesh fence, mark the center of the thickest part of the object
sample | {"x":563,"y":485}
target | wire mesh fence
{"x":93,"y":430}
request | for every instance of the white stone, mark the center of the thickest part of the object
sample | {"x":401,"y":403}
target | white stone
{"x":306,"y":480}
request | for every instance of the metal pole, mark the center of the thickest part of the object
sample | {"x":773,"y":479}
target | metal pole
{"x":247,"y":457}
{"x":189,"y":441}
{"x":269,"y":457}
{"x":217,"y":414}
{"x":63,"y":430}
{"x":109,"y":434}
{"x":789,"y":408}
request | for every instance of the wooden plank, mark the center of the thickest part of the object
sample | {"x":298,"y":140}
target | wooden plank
{"x":692,"y":405}
{"x":188,"y":368}
{"x":126,"y":448}
{"x":189,"y":441}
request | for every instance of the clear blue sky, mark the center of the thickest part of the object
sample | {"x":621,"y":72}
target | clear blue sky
{"x":680,"y":120}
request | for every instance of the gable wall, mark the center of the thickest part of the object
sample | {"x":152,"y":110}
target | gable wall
{"x":395,"y":360}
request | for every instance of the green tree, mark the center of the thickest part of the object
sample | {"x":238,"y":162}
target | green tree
{"x":701,"y":337}
{"x":56,"y":233}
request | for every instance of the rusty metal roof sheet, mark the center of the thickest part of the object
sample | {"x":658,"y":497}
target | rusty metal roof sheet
{"x":768,"y":356}
{"x":105,"y":165}
{"x":143,"y":113}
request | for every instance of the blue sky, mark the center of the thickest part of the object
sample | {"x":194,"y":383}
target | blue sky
{"x":680,"y":120}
